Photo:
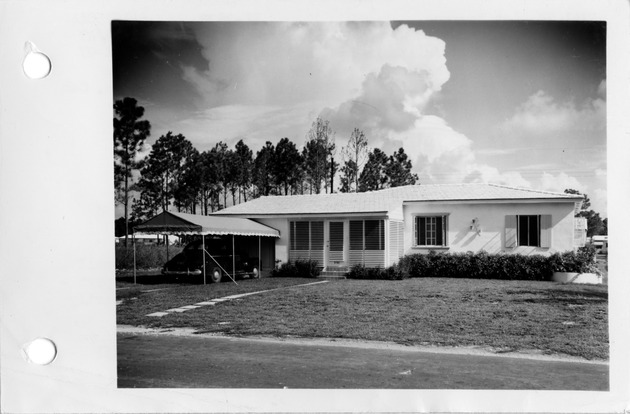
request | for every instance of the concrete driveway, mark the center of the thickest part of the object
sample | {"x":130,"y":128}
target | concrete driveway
{"x":170,"y":361}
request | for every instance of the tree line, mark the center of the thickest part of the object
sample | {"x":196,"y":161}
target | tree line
{"x":595,"y":225}
{"x":176,"y":175}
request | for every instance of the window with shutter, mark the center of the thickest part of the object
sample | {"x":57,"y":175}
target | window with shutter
{"x":545,"y":230}
{"x":431,"y":230}
{"x":528,"y":230}
{"x":510,"y":231}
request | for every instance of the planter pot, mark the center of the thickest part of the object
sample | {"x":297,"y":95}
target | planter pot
{"x":570,"y":277}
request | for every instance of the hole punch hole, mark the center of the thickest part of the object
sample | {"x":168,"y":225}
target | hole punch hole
{"x":36,"y":65}
{"x":41,"y":351}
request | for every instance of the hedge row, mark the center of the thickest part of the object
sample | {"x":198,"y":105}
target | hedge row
{"x":378,"y":273}
{"x":482,"y":266}
{"x":148,"y":256}
{"x":300,"y":268}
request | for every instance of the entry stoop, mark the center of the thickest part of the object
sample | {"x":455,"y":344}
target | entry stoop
{"x":334,"y":273}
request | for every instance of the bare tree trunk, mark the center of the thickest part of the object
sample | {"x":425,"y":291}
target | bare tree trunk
{"x":126,"y":207}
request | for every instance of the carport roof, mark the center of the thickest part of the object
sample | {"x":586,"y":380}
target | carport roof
{"x":169,"y":222}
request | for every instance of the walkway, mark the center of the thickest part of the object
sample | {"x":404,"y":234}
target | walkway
{"x":213,"y":302}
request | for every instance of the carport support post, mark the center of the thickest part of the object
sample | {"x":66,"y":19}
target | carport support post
{"x":233,"y":260}
{"x":203,"y":257}
{"x":133,"y":241}
{"x":259,"y":258}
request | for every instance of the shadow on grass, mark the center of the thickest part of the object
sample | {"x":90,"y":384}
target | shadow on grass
{"x":161,"y":280}
{"x":565,"y":296}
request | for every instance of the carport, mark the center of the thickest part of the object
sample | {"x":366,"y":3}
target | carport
{"x":175,"y":223}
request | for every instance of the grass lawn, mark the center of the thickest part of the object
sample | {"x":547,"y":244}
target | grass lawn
{"x":504,"y":316}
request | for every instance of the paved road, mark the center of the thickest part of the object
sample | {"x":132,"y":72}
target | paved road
{"x":165,"y":361}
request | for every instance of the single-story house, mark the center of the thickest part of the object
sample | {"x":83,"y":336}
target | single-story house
{"x":377,"y":228}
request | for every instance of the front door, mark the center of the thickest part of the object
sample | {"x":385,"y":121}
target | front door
{"x":336,"y":244}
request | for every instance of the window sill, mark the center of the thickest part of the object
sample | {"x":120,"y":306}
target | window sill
{"x":431,"y":247}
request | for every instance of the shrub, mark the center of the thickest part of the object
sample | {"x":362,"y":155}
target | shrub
{"x":582,"y":261}
{"x":148,"y":256}
{"x":477,"y":265}
{"x":375,"y":273}
{"x":300,"y":268}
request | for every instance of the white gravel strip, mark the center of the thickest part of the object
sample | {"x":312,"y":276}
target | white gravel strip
{"x":223,"y":299}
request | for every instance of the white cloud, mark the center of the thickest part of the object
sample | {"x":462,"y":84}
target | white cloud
{"x":487,"y":174}
{"x":265,"y":81}
{"x":560,"y":182}
{"x":255,"y":124}
{"x":541,"y":115}
{"x":599,"y":197}
{"x":565,"y":137}
{"x":433,"y":139}
{"x":285,"y":63}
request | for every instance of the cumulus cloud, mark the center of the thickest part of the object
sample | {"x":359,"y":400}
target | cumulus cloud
{"x":542,"y":115}
{"x":561,"y":181}
{"x":289,"y":62}
{"x":265,"y":81}
{"x":563,"y":135}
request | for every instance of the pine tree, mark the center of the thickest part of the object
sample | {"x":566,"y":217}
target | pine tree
{"x":286,"y":158}
{"x":263,"y":170}
{"x":373,"y":176}
{"x":163,"y":170}
{"x":129,"y":135}
{"x":355,"y":154}
{"x":398,"y":170}
{"x":318,"y":155}
{"x":245,"y":163}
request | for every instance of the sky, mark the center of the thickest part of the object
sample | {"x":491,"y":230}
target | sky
{"x":516,"y":103}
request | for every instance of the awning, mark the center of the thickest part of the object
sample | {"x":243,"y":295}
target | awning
{"x":169,"y":222}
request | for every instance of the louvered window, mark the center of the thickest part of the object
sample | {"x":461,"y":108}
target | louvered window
{"x":317,"y":235}
{"x":307,"y":235}
{"x":336,"y":236}
{"x":356,"y":235}
{"x":367,"y":235}
{"x":374,"y":235}
{"x":301,"y":235}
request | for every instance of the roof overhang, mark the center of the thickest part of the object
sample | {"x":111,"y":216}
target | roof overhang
{"x":310,"y":215}
{"x":499,"y":201}
{"x":169,"y":222}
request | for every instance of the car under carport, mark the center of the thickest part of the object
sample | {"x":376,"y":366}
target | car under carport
{"x":252,"y":236}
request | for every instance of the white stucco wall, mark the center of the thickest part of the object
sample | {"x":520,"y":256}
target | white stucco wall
{"x":491,"y":216}
{"x":282,"y":244}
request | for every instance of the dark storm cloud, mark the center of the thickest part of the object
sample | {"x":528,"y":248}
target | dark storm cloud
{"x":148,"y":57}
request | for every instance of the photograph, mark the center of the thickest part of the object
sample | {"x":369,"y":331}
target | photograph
{"x":361,"y":204}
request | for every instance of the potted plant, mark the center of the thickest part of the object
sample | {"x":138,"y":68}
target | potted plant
{"x":576,"y":267}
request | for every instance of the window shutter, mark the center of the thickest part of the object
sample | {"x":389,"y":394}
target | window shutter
{"x":439,"y":229}
{"x":510,"y":232}
{"x":545,"y":230}
{"x":422,"y":230}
